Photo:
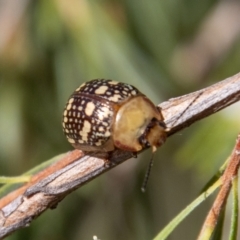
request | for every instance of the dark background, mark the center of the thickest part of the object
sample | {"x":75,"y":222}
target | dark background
{"x":164,"y":48}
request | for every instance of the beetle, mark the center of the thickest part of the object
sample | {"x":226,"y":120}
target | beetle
{"x":103,"y":115}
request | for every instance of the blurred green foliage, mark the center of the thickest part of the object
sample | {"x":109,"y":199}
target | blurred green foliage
{"x":48,"y":48}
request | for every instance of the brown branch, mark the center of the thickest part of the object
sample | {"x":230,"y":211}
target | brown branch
{"x":51,"y":185}
{"x":229,"y":174}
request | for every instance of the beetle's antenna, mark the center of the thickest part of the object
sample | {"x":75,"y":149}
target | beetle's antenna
{"x":147,"y":175}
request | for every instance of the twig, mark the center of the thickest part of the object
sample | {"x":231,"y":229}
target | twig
{"x":47,"y":188}
{"x":220,"y":201}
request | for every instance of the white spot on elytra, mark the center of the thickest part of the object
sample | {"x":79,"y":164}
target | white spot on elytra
{"x":113,"y":83}
{"x":71,"y":140}
{"x":89,"y":108}
{"x":80,"y":87}
{"x":85,"y":130}
{"x":107,"y":134}
{"x":105,"y":124}
{"x":69,"y":106}
{"x":85,"y":138}
{"x":101,"y":90}
{"x":71,"y":100}
{"x":99,"y":143}
{"x":101,"y":129}
{"x":115,"y":98}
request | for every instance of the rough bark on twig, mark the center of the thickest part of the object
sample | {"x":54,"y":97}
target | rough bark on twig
{"x":52,"y":184}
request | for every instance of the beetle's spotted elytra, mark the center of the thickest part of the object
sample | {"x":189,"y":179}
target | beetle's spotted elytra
{"x":103,"y":115}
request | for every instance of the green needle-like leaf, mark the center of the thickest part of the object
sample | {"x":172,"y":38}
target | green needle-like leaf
{"x":17,"y":179}
{"x":234,"y":220}
{"x":26,"y":176}
{"x":183,"y":214}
